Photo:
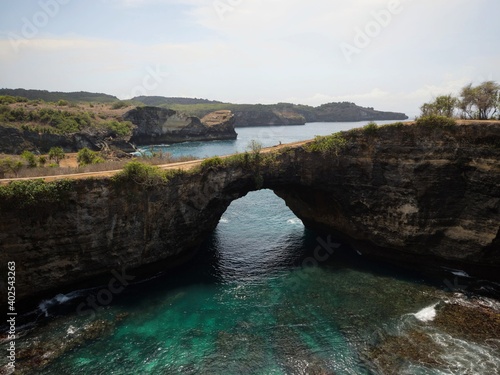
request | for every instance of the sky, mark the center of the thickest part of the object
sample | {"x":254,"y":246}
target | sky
{"x":388,"y":54}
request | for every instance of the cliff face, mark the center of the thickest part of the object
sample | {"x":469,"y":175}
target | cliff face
{"x":15,"y":141}
{"x":157,"y":125}
{"x":268,"y":118}
{"x":346,"y":111}
{"x":410,"y":194}
{"x":414,"y":193}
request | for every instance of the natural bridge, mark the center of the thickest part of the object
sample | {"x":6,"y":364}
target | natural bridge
{"x":403,"y":192}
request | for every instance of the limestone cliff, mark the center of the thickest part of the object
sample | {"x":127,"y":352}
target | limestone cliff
{"x":268,"y":118}
{"x":156,"y":125}
{"x":429,"y":195}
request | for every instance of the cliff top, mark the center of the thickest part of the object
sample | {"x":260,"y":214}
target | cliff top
{"x":186,"y":165}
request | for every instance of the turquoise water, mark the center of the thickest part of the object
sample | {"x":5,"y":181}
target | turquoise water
{"x":267,"y":135}
{"x":254,"y":300}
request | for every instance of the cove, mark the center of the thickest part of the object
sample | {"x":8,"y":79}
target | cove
{"x":247,"y":303}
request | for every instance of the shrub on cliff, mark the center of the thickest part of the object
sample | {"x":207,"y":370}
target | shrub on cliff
{"x":436,"y":121}
{"x":119,"y":104}
{"x":8,"y":99}
{"x":21,"y":194}
{"x":327,"y":145}
{"x":30,"y":159}
{"x":86,"y":157}
{"x":370,"y":128}
{"x":120,"y":128}
{"x":212,"y":163}
{"x":142,"y":174}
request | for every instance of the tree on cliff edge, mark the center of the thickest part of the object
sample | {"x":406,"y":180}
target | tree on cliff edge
{"x":480,"y":102}
{"x":443,"y":105}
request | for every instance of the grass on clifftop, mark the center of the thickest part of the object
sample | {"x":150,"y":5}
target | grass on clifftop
{"x":329,"y":144}
{"x":145,"y":174}
{"x":436,"y":121}
{"x":30,"y":193}
{"x":63,"y":117}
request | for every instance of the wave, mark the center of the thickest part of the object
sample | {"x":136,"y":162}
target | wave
{"x":295,"y":221}
{"x":427,"y":314}
{"x":59,"y":299}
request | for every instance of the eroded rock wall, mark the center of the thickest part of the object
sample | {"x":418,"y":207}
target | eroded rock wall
{"x":402,"y":192}
{"x":156,"y":125}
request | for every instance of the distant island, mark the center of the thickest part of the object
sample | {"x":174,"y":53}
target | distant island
{"x":273,"y":114}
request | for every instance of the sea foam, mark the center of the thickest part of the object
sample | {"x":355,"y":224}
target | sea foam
{"x":427,"y":314}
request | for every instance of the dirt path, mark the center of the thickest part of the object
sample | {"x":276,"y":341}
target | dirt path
{"x":185,"y":165}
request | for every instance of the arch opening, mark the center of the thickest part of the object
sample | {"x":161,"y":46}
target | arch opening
{"x":257,"y":235}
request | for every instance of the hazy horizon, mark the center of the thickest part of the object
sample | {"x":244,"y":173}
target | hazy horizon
{"x":391,"y":55}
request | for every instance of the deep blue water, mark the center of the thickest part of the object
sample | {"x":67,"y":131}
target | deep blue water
{"x":256,"y":300}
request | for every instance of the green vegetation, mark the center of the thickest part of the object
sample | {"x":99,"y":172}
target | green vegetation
{"x":60,"y":122}
{"x":480,"y":102}
{"x":10,"y":165}
{"x":42,"y":160}
{"x":327,"y":145}
{"x":30,"y":159}
{"x":56,"y":154}
{"x":370,"y":128}
{"x":121,"y":128}
{"x":21,"y":194}
{"x":49,"y":118}
{"x":142,"y":174}
{"x":7,"y":99}
{"x":212,"y":163}
{"x":87,"y":157}
{"x":49,"y":96}
{"x":443,"y":105}
{"x":120,"y":104}
{"x":436,"y":121}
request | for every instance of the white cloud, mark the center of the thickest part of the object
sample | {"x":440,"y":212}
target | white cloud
{"x":269,"y":51}
{"x":144,"y":3}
